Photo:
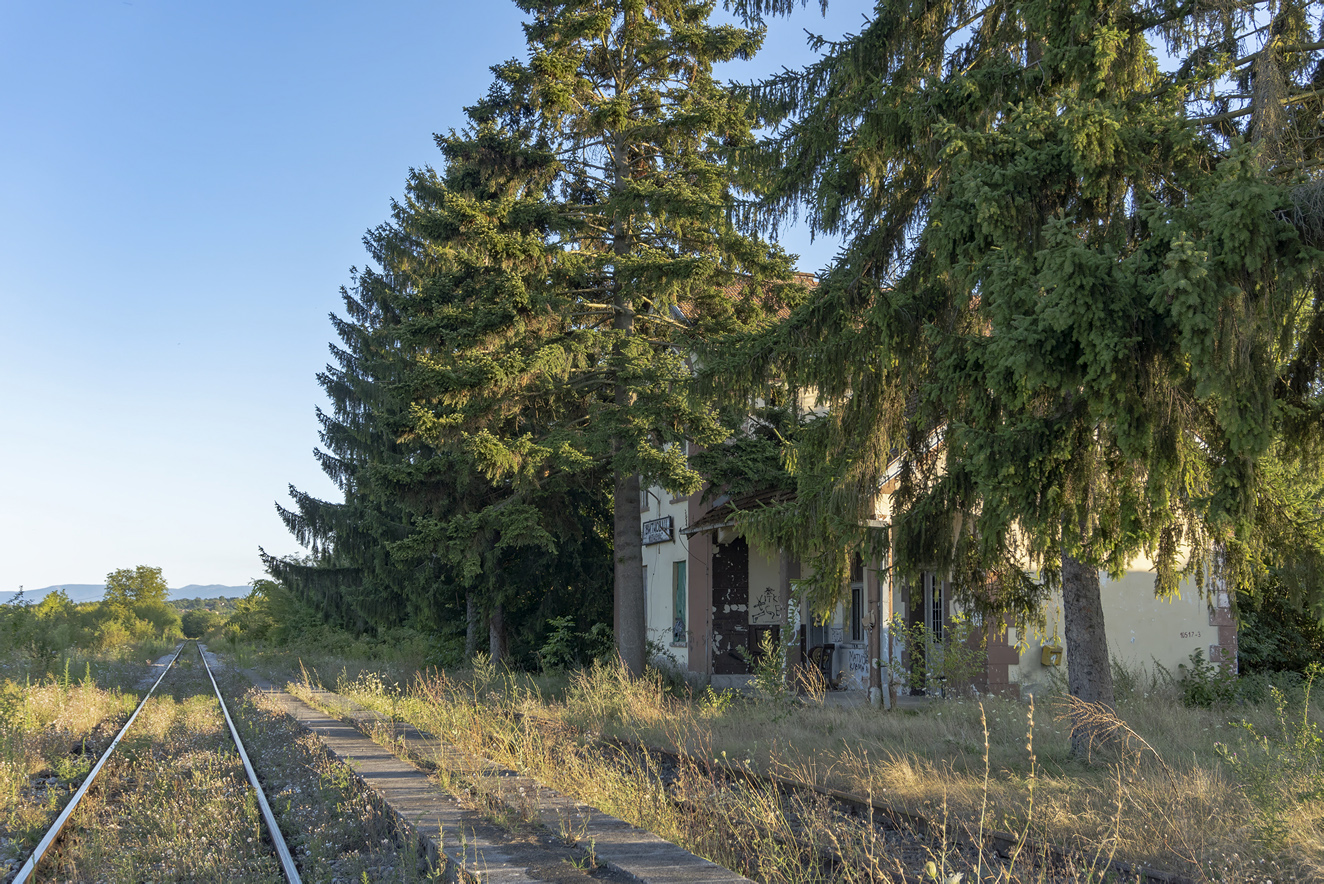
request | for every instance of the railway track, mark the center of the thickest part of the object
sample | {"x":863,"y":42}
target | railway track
{"x":26,"y":872}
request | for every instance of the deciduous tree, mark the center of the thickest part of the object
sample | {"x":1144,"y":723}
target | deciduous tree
{"x":127,"y":587}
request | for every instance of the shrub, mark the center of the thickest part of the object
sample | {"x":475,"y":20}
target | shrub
{"x":950,"y":663}
{"x":1281,"y":767}
{"x":1206,"y":684}
{"x":567,"y":649}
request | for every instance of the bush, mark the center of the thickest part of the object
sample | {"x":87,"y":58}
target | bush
{"x":567,"y":649}
{"x":1275,"y":636}
{"x":1206,"y":684}
{"x":197,"y":623}
{"x":951,"y":664}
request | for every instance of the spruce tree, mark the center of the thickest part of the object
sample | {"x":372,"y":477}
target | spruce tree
{"x":349,"y":576}
{"x":426,"y":534}
{"x":487,"y":380}
{"x":648,"y":262}
{"x":1079,"y":298}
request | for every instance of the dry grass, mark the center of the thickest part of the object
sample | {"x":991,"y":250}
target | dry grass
{"x":172,"y":804}
{"x":50,"y":734}
{"x":1175,"y":792}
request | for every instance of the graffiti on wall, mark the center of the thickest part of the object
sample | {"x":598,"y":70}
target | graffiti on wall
{"x":763,"y":607}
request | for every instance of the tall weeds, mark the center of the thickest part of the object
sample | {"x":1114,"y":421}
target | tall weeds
{"x":1167,"y":799}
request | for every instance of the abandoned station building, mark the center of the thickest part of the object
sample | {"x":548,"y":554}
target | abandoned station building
{"x":712,"y":596}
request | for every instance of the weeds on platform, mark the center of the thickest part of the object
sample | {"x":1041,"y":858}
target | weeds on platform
{"x":1173,"y":799}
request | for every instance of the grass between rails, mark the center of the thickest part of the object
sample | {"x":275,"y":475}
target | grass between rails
{"x":174,"y":804}
{"x":1230,"y":795}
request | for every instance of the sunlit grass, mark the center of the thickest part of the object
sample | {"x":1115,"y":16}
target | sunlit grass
{"x":1173,"y":801}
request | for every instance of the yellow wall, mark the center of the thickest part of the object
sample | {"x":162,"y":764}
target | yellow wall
{"x":1141,"y":629}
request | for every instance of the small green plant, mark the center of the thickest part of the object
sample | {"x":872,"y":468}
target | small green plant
{"x":559,"y":651}
{"x":1205,"y":684}
{"x":567,"y":649}
{"x":716,"y":702}
{"x":1283,"y":769}
{"x":770,"y":667}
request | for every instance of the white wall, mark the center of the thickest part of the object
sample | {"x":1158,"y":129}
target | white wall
{"x":658,"y":560}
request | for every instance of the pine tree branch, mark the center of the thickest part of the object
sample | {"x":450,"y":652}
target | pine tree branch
{"x":1223,"y":117}
{"x":1289,"y":47}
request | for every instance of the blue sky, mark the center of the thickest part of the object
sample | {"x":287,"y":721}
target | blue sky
{"x":183,"y":189}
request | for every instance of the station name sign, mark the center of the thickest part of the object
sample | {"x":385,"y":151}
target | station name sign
{"x":657,"y":531}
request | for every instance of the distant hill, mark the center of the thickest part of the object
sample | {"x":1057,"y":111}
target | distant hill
{"x":92,"y":592}
{"x":210,"y":591}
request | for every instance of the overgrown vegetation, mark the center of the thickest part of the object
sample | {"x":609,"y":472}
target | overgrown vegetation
{"x":1225,"y":793}
{"x":173,"y":804}
{"x":50,"y":734}
{"x":132,"y":621}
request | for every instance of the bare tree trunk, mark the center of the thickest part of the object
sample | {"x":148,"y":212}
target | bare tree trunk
{"x":1089,"y":673}
{"x":498,"y":650}
{"x":628,"y":595}
{"x":471,"y":620}
{"x":629,"y":589}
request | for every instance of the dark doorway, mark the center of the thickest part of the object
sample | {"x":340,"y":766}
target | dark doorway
{"x":731,"y":608}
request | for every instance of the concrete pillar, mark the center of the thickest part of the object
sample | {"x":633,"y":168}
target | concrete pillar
{"x":873,"y":648}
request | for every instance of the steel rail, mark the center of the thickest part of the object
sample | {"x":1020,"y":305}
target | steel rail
{"x":28,"y":868}
{"x":282,"y":850}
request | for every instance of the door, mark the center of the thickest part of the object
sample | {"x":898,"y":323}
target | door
{"x":731,"y":608}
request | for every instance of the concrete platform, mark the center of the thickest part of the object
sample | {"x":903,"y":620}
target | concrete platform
{"x":561,"y":840}
{"x":616,"y":845}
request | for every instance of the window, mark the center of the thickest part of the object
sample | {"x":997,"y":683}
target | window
{"x":934,"y":609}
{"x":857,"y":612}
{"x":679,"y":594}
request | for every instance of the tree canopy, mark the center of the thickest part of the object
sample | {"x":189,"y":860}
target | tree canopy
{"x":128,"y":587}
{"x":644,"y":262}
{"x":1078,"y":301}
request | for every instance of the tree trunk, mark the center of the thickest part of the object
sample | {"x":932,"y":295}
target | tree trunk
{"x":496,"y":634}
{"x":1089,"y":673}
{"x":471,"y":621}
{"x":628,"y":545}
{"x":629,"y":590}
